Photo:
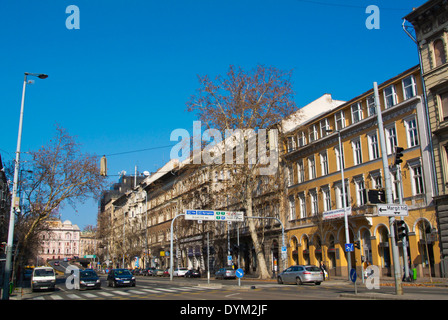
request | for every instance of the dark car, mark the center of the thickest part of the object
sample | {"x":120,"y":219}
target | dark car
{"x":120,"y":277}
{"x":88,"y":279}
{"x":149,"y":272}
{"x":192,"y":274}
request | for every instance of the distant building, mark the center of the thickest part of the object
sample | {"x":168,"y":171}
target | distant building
{"x":62,"y":240}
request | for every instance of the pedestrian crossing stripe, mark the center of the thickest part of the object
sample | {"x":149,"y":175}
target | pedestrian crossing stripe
{"x":112,"y":293}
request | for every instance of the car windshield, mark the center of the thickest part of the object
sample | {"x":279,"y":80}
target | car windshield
{"x":89,"y":273}
{"x":43,"y":272}
{"x":122,"y":273}
{"x":312,"y":268}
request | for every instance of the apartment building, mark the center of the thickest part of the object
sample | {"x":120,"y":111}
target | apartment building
{"x":61,"y":240}
{"x":315,"y":228}
{"x":430,"y":22}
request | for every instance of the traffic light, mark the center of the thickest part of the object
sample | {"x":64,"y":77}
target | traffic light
{"x":357,"y":244}
{"x":401,"y":229}
{"x":397,"y":155}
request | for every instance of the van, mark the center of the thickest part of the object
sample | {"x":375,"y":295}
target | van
{"x":43,"y":278}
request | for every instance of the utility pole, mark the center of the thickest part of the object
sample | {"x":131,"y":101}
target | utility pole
{"x":389,"y":198}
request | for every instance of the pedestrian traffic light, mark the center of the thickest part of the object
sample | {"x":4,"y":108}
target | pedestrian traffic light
{"x":397,"y":155}
{"x":401,"y":229}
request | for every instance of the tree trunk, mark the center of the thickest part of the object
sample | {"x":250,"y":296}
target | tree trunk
{"x":262,"y":267}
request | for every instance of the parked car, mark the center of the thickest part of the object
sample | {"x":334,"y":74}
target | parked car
{"x":158,"y":272}
{"x":301,"y":274}
{"x":88,"y":279}
{"x":43,"y":278}
{"x":180,"y":272}
{"x":120,"y":277}
{"x":166,"y":272}
{"x":193,"y":273}
{"x":148,"y":272}
{"x":27,"y":274}
{"x":225,"y":273}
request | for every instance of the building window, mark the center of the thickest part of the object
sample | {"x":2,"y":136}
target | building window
{"x":338,"y":157}
{"x":327,"y":199}
{"x":390,"y":96}
{"x":357,"y":153}
{"x":439,"y":52}
{"x":313,"y":133}
{"x":391,"y":139}
{"x":395,"y":184}
{"x":324,"y":126}
{"x":314,"y":203}
{"x":324,"y":163}
{"x":339,"y":120}
{"x":302,"y":204}
{"x":311,"y":167}
{"x":374,"y":151}
{"x":301,"y":139}
{"x":443,"y":105}
{"x":290,"y":179}
{"x":412,"y":133}
{"x":291,"y":144}
{"x":360,"y":199}
{"x":371,"y":105}
{"x":417,"y":179}
{"x":300,"y":172}
{"x":409,"y":87}
{"x":356,"y":112}
{"x":340,"y":195}
{"x":292,"y":208}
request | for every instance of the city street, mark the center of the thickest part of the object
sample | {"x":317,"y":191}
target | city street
{"x":161,"y":288}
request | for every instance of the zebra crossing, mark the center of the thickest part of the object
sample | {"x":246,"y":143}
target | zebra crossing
{"x":111,"y":293}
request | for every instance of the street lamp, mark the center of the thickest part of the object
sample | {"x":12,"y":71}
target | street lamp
{"x":9,"y":245}
{"x":344,"y":199}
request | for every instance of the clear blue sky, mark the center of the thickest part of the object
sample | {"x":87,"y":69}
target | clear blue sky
{"x":121,"y":81}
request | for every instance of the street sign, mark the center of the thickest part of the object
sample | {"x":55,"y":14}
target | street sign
{"x":349,"y":247}
{"x":394,"y":210}
{"x":353,"y":275}
{"x":212,"y":215}
{"x":239,"y":273}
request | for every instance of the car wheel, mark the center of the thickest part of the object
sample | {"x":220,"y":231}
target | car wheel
{"x":299,"y":281}
{"x":317,"y":283}
{"x":279,"y":280}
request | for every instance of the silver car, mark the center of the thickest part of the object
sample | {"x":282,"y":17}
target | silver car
{"x":225,"y":273}
{"x":301,"y":274}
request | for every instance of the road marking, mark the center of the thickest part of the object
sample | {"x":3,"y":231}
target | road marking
{"x":39,"y":298}
{"x":56,"y":297}
{"x":73,"y":296}
{"x":123,"y":293}
{"x":151,"y":291}
{"x":89,"y":295}
{"x":106,"y":294}
{"x":136,"y":291}
{"x":167,"y":290}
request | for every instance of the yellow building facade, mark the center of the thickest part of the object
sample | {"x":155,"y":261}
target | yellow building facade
{"x":315,"y":226}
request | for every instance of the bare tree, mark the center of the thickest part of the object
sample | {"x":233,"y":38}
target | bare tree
{"x":245,"y":100}
{"x":59,"y":174}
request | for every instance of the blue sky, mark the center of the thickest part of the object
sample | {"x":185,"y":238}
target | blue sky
{"x":121,"y":81}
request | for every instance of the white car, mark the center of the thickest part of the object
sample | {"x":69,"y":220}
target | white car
{"x":43,"y":278}
{"x":180,"y":272}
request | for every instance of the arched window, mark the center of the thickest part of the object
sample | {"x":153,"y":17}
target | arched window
{"x":439,"y":52}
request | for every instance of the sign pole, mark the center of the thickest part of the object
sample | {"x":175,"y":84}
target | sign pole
{"x":389,"y":199}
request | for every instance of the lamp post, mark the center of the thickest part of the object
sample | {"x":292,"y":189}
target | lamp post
{"x":344,"y":199}
{"x":9,"y":245}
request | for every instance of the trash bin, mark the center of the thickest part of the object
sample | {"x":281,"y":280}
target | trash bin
{"x":414,"y":274}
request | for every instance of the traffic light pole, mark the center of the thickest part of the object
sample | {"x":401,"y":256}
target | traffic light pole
{"x":389,"y":198}
{"x":404,"y":240}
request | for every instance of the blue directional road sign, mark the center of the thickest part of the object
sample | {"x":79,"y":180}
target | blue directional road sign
{"x":353,"y":275}
{"x":239,"y":273}
{"x":349,"y":247}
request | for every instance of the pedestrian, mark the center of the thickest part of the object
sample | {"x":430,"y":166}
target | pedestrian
{"x":323,"y":267}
